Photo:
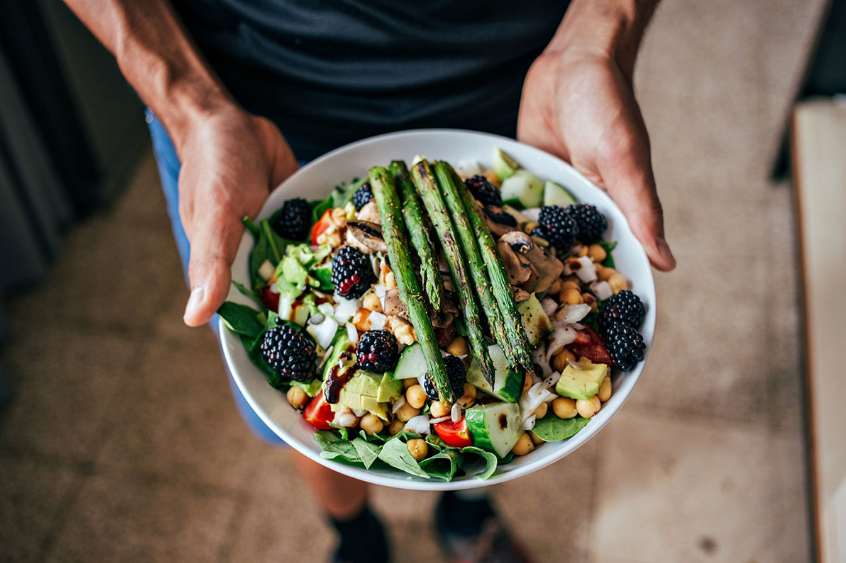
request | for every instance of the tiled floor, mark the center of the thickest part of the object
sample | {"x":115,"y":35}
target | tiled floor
{"x":123,"y":443}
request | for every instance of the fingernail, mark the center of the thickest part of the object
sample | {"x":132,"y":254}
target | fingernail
{"x":194,"y":301}
{"x":665,"y":251}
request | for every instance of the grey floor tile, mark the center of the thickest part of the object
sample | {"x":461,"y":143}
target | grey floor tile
{"x":65,"y":382}
{"x":116,"y":520}
{"x":177,"y":418}
{"x":670,"y":489}
{"x":32,"y":495}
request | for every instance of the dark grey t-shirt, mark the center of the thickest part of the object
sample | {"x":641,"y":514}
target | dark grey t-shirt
{"x":329,"y":72}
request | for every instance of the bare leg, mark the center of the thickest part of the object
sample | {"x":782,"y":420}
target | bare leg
{"x":342,"y":497}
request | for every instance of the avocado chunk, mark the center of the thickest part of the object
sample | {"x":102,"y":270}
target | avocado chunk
{"x":362,"y":383}
{"x":389,"y":388}
{"x":581,"y":383}
{"x":373,"y":406}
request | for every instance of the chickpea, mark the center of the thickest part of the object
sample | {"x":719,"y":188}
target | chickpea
{"x":458,"y":347}
{"x":492,"y":177}
{"x":567,"y":284}
{"x":439,"y":409}
{"x":418,"y":449}
{"x":416,"y":396}
{"x":469,"y":396}
{"x":409,"y":382}
{"x":395,"y":427}
{"x":597,"y":253}
{"x":605,"y":389}
{"x":555,"y":288}
{"x":559,"y":361}
{"x":297,"y":397}
{"x":535,"y":440}
{"x":583,"y":251}
{"x":588,"y":408}
{"x":383,"y":271}
{"x":618,"y":283}
{"x":372,"y":302}
{"x":371,"y":424}
{"x":606,"y":273}
{"x":529,"y":227}
{"x":523,"y":446}
{"x":390,"y":281}
{"x":571,"y":296}
{"x":590,"y":300}
{"x":541,"y":411}
{"x":406,"y":412}
{"x":564,"y":407}
{"x":361,"y":320}
{"x":527,"y":382}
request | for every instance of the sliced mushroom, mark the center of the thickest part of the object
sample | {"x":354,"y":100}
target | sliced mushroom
{"x":365,"y":236}
{"x":369,"y":213}
{"x":516,"y":264}
{"x":499,"y":221}
{"x":545,"y":266}
{"x":393,"y":305}
{"x":520,"y":294}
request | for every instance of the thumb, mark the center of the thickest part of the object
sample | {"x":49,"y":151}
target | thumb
{"x":631,"y":184}
{"x":216,"y":237}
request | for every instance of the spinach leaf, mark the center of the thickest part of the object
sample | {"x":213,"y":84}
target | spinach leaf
{"x":372,"y":437}
{"x":319,"y":207}
{"x":490,"y":460}
{"x":251,"y":226}
{"x":342,"y":194}
{"x":336,"y":447}
{"x":321,"y":278}
{"x":342,"y":430}
{"x":241,"y":319}
{"x":592,"y":320}
{"x":311,"y":388}
{"x":269,"y":247}
{"x":553,"y":429}
{"x":246,"y":291}
{"x":367,"y":452}
{"x":608,"y":246}
{"x":395,"y":453}
{"x":443,"y":464}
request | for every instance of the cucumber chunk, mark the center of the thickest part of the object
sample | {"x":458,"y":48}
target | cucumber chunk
{"x":508,"y":383}
{"x":412,"y":363}
{"x":556,"y":194}
{"x":503,"y":165}
{"x":495,"y":427}
{"x":525,"y":187}
{"x":536,"y":322}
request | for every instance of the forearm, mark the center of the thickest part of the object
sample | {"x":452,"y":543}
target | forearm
{"x":158,"y":58}
{"x":605,"y":28}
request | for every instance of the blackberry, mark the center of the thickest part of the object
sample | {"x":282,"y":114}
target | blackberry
{"x":592,"y":224}
{"x":294,"y":220}
{"x":362,"y":196}
{"x":500,"y":217}
{"x":557,"y":227}
{"x":457,"y":376}
{"x":377,"y":351}
{"x":352,"y":274}
{"x":625,"y":344}
{"x":623,"y":308}
{"x":484,"y":191}
{"x":290,"y":353}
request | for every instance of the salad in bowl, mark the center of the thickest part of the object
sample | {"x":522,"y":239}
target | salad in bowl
{"x":436,"y":320}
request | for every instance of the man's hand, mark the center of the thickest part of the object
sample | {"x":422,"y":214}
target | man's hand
{"x":579,"y":105}
{"x":230,"y":162}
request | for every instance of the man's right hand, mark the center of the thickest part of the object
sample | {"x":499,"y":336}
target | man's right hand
{"x":230,"y":162}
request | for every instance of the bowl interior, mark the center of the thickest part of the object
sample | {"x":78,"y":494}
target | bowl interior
{"x":319,"y":177}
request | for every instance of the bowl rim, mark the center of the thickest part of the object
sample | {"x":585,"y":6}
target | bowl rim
{"x":403,"y":481}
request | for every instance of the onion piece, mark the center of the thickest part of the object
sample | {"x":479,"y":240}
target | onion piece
{"x":352,"y":333}
{"x":540,"y":358}
{"x":551,"y":380}
{"x":359,"y":412}
{"x":316,"y":319}
{"x":419,"y":424}
{"x":325,"y":357}
{"x":560,"y":338}
{"x":532,"y":214}
{"x":468,"y":167}
{"x":266,"y":270}
{"x":529,"y":423}
{"x":377,"y":320}
{"x":533,"y":398}
{"x":587,"y":273}
{"x":346,"y":309}
{"x":440,"y":419}
{"x":602,"y":290}
{"x":573,"y":313}
{"x":327,"y":309}
{"x":574,"y":365}
{"x":549,"y":305}
{"x":324,"y":332}
{"x":398,"y":404}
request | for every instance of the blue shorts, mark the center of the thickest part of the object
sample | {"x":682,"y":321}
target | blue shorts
{"x":169,"y":165}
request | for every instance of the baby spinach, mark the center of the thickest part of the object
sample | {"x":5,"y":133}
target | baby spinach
{"x":334,"y":447}
{"x":552,"y":429}
{"x":490,"y":460}
{"x":608,"y":246}
{"x":443,"y":464}
{"x":343,"y":193}
{"x":269,"y":247}
{"x":395,"y":453}
{"x":319,"y":207}
{"x":241,"y":319}
{"x":367,"y":451}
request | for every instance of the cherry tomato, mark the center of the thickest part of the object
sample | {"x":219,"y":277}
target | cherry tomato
{"x":319,"y":413}
{"x":270,"y":298}
{"x":454,"y":433}
{"x":324,"y":223}
{"x":591,"y":346}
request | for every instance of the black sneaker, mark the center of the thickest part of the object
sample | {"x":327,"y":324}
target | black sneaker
{"x":362,"y":540}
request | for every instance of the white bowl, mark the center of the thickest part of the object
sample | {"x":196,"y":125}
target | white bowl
{"x":319,"y":177}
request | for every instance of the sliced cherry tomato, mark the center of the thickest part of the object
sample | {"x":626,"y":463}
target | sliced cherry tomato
{"x":324,"y":223}
{"x":319,"y":413}
{"x":593,"y":349}
{"x":270,"y":298}
{"x":454,"y":433}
